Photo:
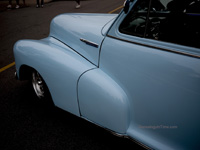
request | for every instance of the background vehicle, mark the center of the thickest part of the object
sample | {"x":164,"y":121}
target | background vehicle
{"x":136,"y":74}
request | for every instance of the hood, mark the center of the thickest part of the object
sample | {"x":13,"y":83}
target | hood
{"x":82,"y":32}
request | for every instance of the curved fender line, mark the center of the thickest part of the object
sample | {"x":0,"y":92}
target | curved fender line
{"x":103,"y":101}
{"x":100,"y":52}
{"x":77,"y":87}
{"x":54,"y":60}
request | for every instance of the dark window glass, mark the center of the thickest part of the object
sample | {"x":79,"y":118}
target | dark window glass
{"x":176,"y":21}
{"x":135,"y":22}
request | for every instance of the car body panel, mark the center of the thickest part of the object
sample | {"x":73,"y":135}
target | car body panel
{"x":164,"y":85}
{"x":103,"y":101}
{"x":59,"y":66}
{"x":82,"y":26}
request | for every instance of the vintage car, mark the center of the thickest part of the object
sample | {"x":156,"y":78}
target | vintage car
{"x":136,"y":74}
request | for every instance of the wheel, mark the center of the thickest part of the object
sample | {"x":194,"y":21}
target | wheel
{"x":38,"y":85}
{"x":41,"y":90}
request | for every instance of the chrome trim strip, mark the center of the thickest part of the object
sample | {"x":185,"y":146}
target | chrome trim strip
{"x":74,"y":50}
{"x":120,"y":135}
{"x":89,"y":42}
{"x":156,"y":47}
{"x":129,"y":138}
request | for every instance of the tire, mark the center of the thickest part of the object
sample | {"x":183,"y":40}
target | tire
{"x":40,"y":88}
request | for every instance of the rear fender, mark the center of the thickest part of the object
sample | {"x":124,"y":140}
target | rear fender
{"x":103,"y":101}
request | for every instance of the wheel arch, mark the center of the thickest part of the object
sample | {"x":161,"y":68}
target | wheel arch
{"x":59,"y":65}
{"x":25,"y":72}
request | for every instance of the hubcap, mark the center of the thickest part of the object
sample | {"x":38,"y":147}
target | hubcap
{"x":38,"y":84}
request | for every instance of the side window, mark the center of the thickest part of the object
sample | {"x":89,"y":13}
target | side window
{"x":135,"y":22}
{"x":176,"y":21}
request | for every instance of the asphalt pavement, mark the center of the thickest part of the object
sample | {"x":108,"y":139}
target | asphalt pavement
{"x":26,"y":124}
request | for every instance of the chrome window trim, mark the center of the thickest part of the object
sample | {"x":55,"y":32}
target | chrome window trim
{"x":155,"y":47}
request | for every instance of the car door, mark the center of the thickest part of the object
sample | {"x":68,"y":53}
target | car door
{"x":153,"y":54}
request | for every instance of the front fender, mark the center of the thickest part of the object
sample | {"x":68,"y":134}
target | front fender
{"x":59,"y":66}
{"x":71,"y":28}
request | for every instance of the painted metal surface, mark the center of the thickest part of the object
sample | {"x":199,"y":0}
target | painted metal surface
{"x":141,"y":88}
{"x":59,"y":66}
{"x":162,"y":90}
{"x":162,"y":83}
{"x":103,"y":101}
{"x":70,"y":28}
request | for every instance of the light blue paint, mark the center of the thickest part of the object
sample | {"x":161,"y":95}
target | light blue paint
{"x":59,"y":66}
{"x":135,"y":90}
{"x":162,"y":89}
{"x":87,"y":26}
{"x":103,"y":101}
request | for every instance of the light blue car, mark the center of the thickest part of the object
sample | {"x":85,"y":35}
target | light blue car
{"x":136,"y":74}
